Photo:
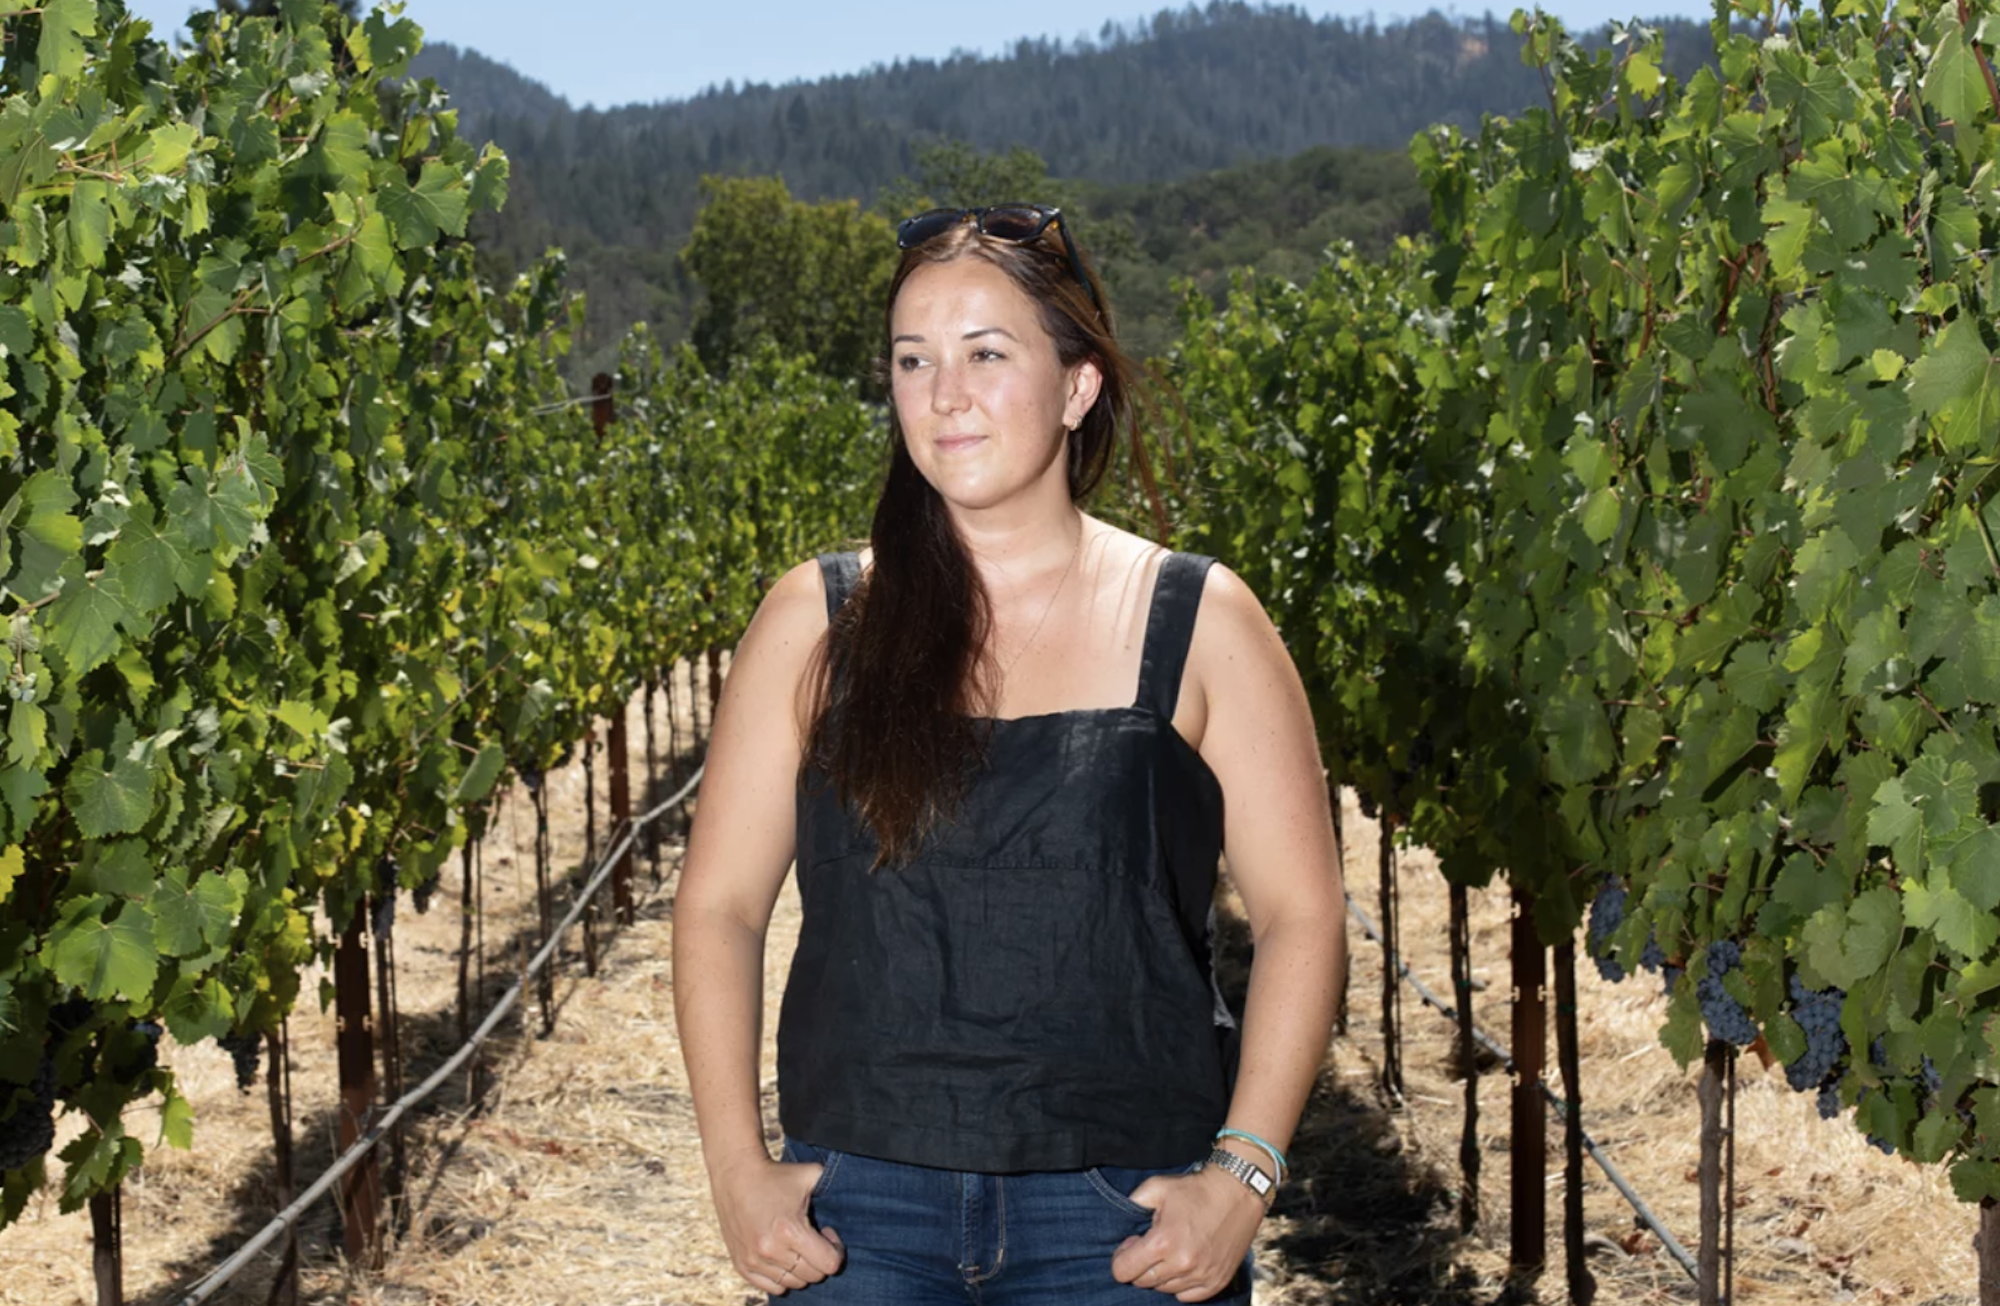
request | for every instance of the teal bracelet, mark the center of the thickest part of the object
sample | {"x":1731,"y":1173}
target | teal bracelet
{"x":1276,"y":1155}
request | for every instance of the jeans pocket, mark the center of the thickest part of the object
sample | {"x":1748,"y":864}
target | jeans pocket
{"x":1116,"y":1184}
{"x":796,"y":1151}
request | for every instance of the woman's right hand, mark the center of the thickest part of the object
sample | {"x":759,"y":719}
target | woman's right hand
{"x":763,"y":1206}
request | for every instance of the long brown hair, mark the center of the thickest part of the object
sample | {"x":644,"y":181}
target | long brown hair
{"x":901,"y":685}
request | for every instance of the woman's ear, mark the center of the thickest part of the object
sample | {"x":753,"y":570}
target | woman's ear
{"x":1085,"y":380}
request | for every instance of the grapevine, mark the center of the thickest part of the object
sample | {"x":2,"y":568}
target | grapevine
{"x":1654,"y":497}
{"x":304,"y":541}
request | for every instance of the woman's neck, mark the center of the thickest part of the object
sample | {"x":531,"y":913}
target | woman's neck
{"x":1010,"y":550}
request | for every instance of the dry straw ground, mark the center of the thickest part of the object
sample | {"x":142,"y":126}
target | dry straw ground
{"x":568,"y":1170}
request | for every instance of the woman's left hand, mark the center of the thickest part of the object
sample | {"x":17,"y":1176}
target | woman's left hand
{"x":1203,"y":1223}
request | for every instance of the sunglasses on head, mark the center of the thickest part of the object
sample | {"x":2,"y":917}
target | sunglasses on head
{"x":1020,"y":223}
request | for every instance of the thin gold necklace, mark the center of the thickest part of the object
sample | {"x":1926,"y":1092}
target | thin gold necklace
{"x":1048,"y":607}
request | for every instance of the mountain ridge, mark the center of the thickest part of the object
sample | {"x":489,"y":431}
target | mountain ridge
{"x":1195,"y":92}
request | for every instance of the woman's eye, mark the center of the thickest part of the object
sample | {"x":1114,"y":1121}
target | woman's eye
{"x":908,"y":363}
{"x":987,"y":355}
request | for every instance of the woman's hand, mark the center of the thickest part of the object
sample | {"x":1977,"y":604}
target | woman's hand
{"x":1203,"y":1223}
{"x":771,"y":1241}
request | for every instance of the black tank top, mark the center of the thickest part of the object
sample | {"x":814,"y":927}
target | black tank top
{"x":1035,"y":990}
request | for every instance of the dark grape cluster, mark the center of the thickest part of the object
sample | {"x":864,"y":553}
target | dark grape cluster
{"x":1818,"y":1014}
{"x":420,"y":896}
{"x":1607,"y":913}
{"x":134,"y":1053}
{"x":1727,"y":1020}
{"x":245,"y":1049}
{"x":383,"y":919}
{"x":30,"y":1130}
{"x":1653,"y":956}
{"x":531,"y":776}
{"x":1829,"y":1100}
{"x":65,"y":1018}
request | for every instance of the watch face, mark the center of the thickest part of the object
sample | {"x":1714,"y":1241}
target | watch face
{"x":1260,"y":1181}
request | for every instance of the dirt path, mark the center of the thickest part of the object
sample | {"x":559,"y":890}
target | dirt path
{"x":574,"y":1173}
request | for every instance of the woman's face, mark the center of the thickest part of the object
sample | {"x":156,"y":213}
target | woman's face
{"x":983,"y":399}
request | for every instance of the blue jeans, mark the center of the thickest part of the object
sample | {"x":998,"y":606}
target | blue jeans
{"x":917,"y":1236}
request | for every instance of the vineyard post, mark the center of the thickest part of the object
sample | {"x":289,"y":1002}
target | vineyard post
{"x":545,"y":983}
{"x":1529,"y":1161}
{"x":278,"y":1083}
{"x":355,"y":1049}
{"x":620,"y":747}
{"x":1468,"y":1059}
{"x":1392,"y":988}
{"x":714,"y":685}
{"x":1987,"y":1243}
{"x":590,"y":846}
{"x":1582,"y":1285}
{"x":465,"y":941}
{"x":694,"y":708}
{"x":1715,"y":1065}
{"x":1340,"y":856}
{"x":652,"y":778}
{"x":107,"y":1251}
{"x":388,"y":1024}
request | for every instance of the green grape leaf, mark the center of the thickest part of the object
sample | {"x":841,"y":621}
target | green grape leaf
{"x":1957,"y":383}
{"x":176,"y":1119}
{"x":1953,"y":84}
{"x":1600,"y":515}
{"x":27,"y":733}
{"x":12,"y":863}
{"x":1847,"y":946}
{"x":478,"y":780}
{"x":64,"y":25}
{"x":1975,"y":868}
{"x":1975,"y":1180}
{"x":436,"y":204}
{"x":108,"y":802}
{"x":1936,"y":1135}
{"x":90,"y":222}
{"x":1946,"y":793}
{"x":103,"y":958}
{"x":191,"y":917}
{"x":1942,"y":910}
{"x":85,"y":620}
{"x":1579,"y":737}
{"x":1682,"y":1035}
{"x":198,"y":1009}
{"x":121,"y":869}
{"x":154,"y":564}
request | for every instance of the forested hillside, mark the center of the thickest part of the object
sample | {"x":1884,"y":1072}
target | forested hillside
{"x":1185,"y":93}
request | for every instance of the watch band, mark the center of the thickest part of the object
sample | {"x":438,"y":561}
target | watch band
{"x":1250,"y":1174}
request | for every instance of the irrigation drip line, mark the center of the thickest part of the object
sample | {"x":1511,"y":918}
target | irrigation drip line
{"x":1611,"y":1172}
{"x":288,"y":1217}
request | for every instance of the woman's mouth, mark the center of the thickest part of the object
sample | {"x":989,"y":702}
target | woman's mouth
{"x":954,"y":443}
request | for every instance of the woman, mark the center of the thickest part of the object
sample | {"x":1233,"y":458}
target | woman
{"x":1004,"y":1072}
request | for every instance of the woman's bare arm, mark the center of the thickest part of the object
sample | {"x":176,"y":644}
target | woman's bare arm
{"x":1257,"y":735}
{"x":1283,"y":856}
{"x":738,"y":853}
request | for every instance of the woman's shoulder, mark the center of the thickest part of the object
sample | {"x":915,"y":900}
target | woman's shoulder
{"x":1224,"y":596}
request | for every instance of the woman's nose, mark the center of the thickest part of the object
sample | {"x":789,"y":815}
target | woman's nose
{"x":949,"y":392}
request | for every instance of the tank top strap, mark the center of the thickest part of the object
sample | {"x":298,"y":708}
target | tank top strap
{"x":841,"y":572}
{"x":1170,"y":629}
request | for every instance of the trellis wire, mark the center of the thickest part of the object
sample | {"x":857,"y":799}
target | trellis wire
{"x":1611,"y":1172}
{"x":288,"y":1217}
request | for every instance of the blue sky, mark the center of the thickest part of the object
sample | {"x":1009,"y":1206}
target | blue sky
{"x":610,"y":52}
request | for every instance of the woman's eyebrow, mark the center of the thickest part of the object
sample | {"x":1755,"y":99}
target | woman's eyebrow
{"x":913,"y":339}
